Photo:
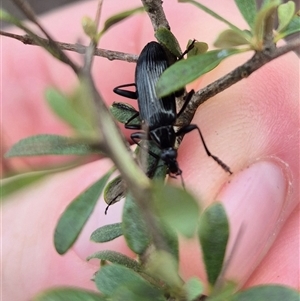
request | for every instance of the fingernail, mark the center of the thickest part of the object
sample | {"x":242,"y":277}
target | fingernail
{"x":253,"y":200}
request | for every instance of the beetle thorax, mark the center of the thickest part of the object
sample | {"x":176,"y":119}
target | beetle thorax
{"x":169,"y":156}
{"x":164,"y":137}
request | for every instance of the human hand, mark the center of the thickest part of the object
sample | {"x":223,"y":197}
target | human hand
{"x":251,"y":126}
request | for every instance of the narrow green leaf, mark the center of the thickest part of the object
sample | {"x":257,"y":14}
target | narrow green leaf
{"x":293,"y":27}
{"x":122,"y":283}
{"x":76,"y":215}
{"x":12,"y":184}
{"x":186,"y":71}
{"x":213,"y":236}
{"x":64,"y":108}
{"x":212,"y":13}
{"x":267,"y":292}
{"x":165,"y":37}
{"x":134,"y":227}
{"x":115,"y":190}
{"x":230,"y":38}
{"x":68,"y":294}
{"x":118,"y":258}
{"x":41,"y":145}
{"x":248,"y":9}
{"x":177,"y":208}
{"x":123,"y":112}
{"x":194,"y":288}
{"x":286,"y":12}
{"x":261,"y":17}
{"x":120,"y":17}
{"x":15,"y":183}
{"x":107,"y":233}
{"x":7,"y":17}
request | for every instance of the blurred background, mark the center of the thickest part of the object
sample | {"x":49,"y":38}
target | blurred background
{"x":39,"y":6}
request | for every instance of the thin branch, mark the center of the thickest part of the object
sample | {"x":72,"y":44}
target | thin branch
{"x":25,"y":7}
{"x":117,"y":149}
{"x":89,"y":55}
{"x":110,"y":55}
{"x":257,"y":61}
{"x":156,"y":13}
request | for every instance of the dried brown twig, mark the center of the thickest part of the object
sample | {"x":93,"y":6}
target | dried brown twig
{"x":109,"y":54}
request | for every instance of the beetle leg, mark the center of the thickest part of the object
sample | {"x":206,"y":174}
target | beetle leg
{"x":187,"y":99}
{"x":126,"y":93}
{"x":142,"y":136}
{"x":191,"y":127}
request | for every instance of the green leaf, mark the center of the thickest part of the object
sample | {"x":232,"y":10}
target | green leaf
{"x":68,"y":294}
{"x":76,"y":215}
{"x":107,"y":233}
{"x":7,"y":17}
{"x":199,"y":48}
{"x":117,"y":258}
{"x":121,"y":283}
{"x":123,"y":112}
{"x":230,"y":38}
{"x":293,"y":27}
{"x":41,"y":145}
{"x":248,"y":9}
{"x":64,"y":108}
{"x":212,"y":13}
{"x":90,"y":28}
{"x":259,"y":26}
{"x":194,"y":288}
{"x":267,"y":292}
{"x":286,"y":12}
{"x":77,"y":109}
{"x":165,"y":37}
{"x":15,"y":183}
{"x":134,"y":227}
{"x":213,"y":236}
{"x":115,"y":190}
{"x":120,"y":17}
{"x":186,"y":71}
{"x":176,"y":208}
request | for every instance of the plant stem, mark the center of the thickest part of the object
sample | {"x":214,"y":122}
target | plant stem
{"x":109,"y":54}
{"x":156,"y":13}
{"x":257,"y":61}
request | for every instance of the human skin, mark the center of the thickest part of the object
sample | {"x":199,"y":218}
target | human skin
{"x":252,"y":126}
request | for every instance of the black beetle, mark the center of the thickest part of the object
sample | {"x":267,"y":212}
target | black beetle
{"x":158,"y":115}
